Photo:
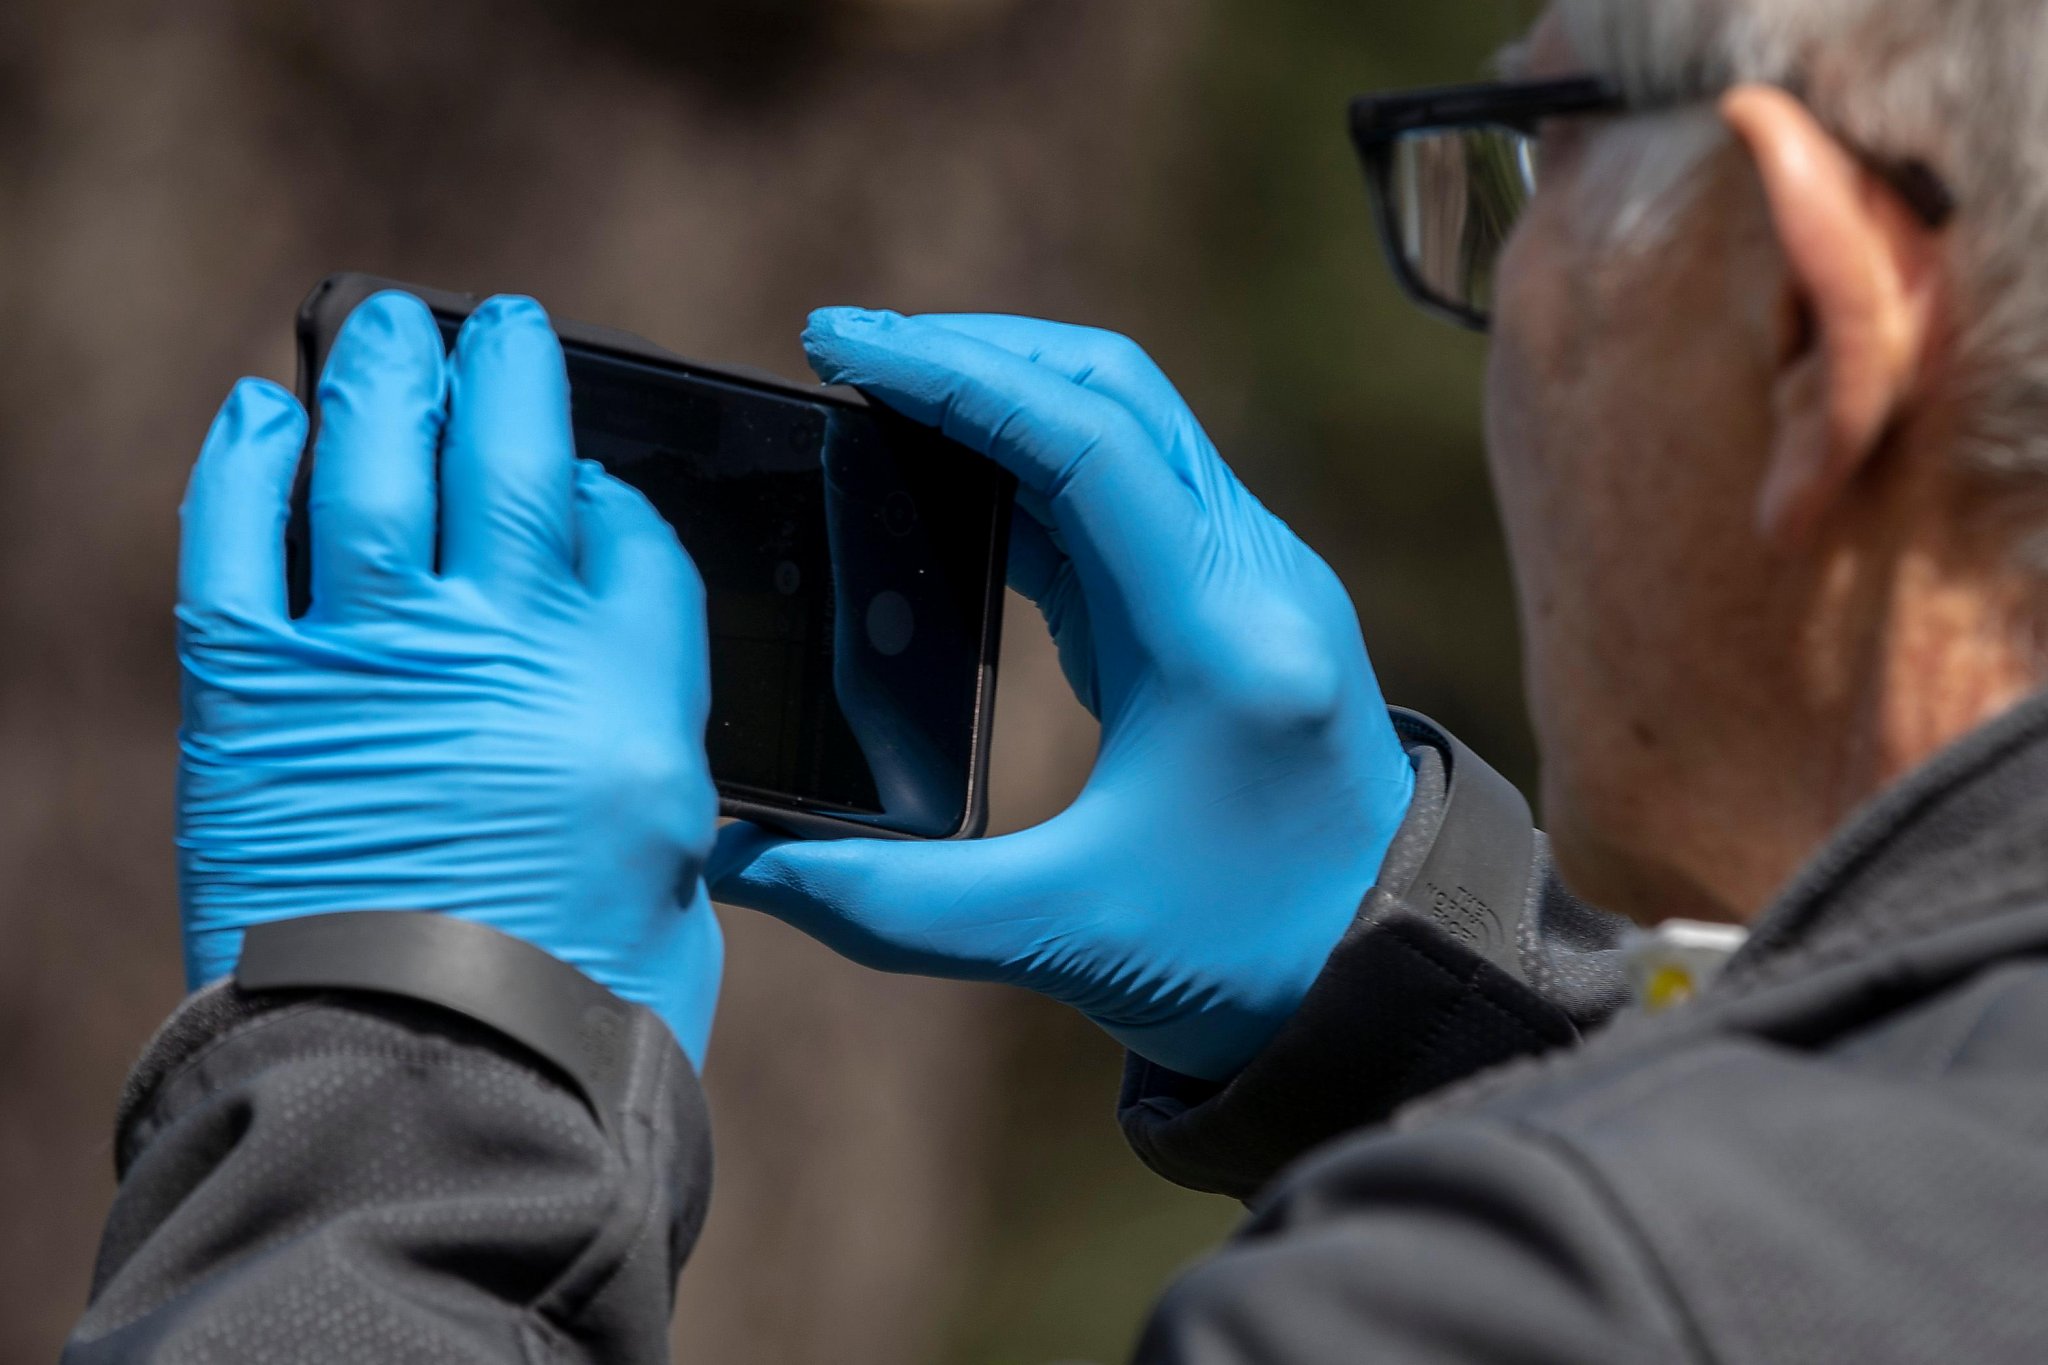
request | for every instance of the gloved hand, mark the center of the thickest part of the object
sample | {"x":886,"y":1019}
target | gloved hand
{"x":516,"y":738}
{"x":1249,"y":780}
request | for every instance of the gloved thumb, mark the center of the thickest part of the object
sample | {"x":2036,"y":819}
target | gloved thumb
{"x":940,"y":909}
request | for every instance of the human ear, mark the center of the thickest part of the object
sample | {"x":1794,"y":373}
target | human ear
{"x":1862,"y":282}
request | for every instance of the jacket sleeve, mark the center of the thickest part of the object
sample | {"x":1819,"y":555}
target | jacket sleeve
{"x":1463,"y":1244}
{"x":1468,"y":954}
{"x":375,"y":1171}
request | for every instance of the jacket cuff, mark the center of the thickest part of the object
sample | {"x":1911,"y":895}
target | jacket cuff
{"x":498,"y":980}
{"x":1465,"y":956}
{"x":364,"y":1148}
{"x":511,"y":998}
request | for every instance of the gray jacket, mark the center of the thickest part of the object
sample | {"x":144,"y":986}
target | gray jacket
{"x":1462,"y":1149}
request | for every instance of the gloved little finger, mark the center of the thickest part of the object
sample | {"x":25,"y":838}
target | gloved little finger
{"x":1036,"y":563}
{"x":1041,"y":571}
{"x":627,"y":552}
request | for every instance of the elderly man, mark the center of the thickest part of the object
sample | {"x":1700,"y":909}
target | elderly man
{"x":1765,"y":413}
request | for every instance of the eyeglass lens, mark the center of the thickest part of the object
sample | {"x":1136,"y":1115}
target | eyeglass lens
{"x":1454,"y":196}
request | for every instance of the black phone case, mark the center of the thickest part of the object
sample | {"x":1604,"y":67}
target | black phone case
{"x":334,"y":298}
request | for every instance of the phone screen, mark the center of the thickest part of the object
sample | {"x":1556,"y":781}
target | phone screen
{"x":845,"y":554}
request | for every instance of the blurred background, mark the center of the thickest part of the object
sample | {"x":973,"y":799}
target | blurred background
{"x":909,"y":1172}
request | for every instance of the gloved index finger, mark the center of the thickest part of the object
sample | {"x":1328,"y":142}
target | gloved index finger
{"x":1109,"y":364}
{"x":1122,"y":513}
{"x":231,"y":558}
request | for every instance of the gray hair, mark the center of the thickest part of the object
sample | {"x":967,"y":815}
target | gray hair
{"x":1961,"y":85}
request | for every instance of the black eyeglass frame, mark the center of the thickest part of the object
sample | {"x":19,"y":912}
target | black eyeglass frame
{"x":1380,"y":122}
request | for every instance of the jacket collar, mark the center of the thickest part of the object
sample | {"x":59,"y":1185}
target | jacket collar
{"x":1960,"y":843}
{"x":1937,"y":878}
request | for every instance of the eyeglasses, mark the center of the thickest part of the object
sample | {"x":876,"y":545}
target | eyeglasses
{"x":1450,"y":172}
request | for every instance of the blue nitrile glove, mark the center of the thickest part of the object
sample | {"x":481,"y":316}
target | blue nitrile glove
{"x":516,"y":738}
{"x":1249,"y":780}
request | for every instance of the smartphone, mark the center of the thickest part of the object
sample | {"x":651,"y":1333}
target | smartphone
{"x":853,"y":562}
